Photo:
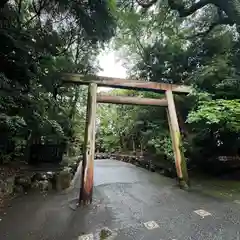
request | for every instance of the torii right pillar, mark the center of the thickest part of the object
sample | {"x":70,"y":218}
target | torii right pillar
{"x":180,"y":161}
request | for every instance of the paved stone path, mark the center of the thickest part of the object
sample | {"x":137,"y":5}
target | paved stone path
{"x":129,"y":203}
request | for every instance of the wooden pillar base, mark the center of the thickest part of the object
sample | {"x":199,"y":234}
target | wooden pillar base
{"x":183,"y":184}
{"x":85,"y":203}
{"x":86,"y":197}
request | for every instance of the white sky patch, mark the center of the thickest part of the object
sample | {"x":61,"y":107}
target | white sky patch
{"x":111,"y":67}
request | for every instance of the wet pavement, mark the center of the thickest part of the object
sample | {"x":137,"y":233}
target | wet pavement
{"x":132,"y":203}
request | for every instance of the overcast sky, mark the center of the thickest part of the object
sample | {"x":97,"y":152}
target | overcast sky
{"x":111,"y":66}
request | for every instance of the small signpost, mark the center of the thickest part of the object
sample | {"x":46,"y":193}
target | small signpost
{"x":202,"y":213}
{"x":151,"y":225}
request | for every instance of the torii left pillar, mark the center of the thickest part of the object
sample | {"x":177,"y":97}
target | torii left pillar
{"x":86,"y":189}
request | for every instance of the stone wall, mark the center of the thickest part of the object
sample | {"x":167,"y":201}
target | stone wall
{"x":26,"y":180}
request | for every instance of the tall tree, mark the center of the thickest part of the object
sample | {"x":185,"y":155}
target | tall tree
{"x":166,"y":48}
{"x":39,"y":40}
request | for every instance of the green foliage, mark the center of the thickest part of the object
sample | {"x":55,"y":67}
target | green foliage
{"x":131,"y":128}
{"x":158,"y":46}
{"x":39,"y":41}
{"x":42,"y":39}
{"x":163,"y":146}
{"x":224,"y":113}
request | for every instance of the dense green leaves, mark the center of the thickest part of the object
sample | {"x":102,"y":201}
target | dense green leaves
{"x":224,"y":113}
{"x":157,"y":45}
{"x":39,"y":41}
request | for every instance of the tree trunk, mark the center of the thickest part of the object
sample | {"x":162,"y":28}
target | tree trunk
{"x":230,"y":7}
{"x":74,"y":103}
{"x":133,"y":144}
{"x":123,"y":145}
{"x":141,"y":148}
{"x":29,"y":140}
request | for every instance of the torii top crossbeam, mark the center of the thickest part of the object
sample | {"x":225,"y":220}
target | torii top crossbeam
{"x":123,"y":83}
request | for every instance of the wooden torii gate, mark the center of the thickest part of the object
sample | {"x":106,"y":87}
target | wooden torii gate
{"x":86,"y":190}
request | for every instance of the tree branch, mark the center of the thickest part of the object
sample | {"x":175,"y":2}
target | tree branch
{"x":42,"y":4}
{"x":127,"y":5}
{"x":71,"y":41}
{"x":221,"y":21}
{"x":184,"y":12}
{"x":146,"y":4}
